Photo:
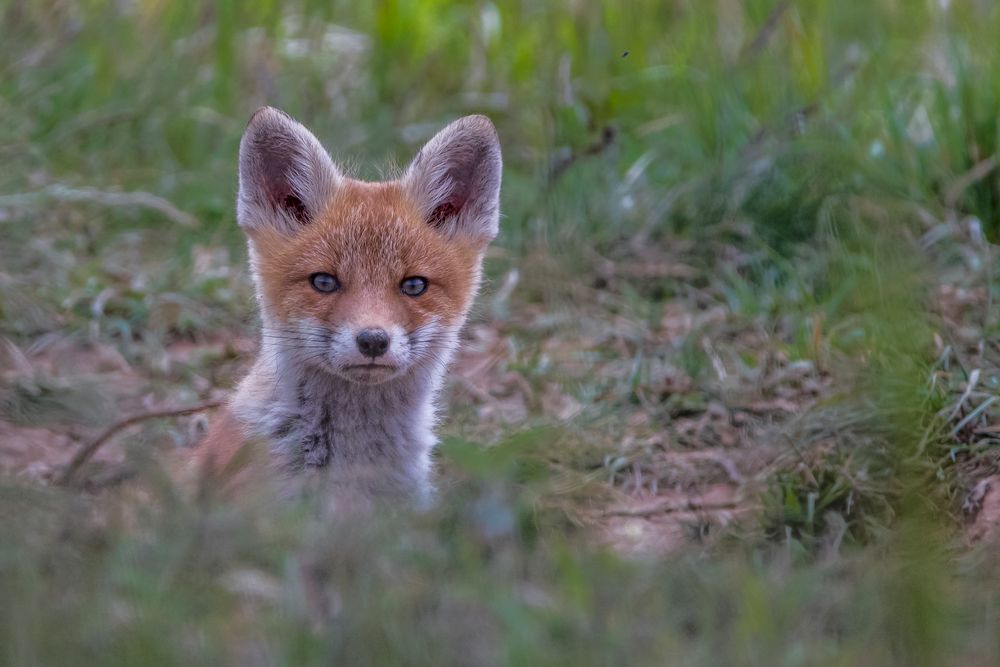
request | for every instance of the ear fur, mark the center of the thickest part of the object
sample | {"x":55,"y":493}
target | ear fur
{"x":286,"y":176}
{"x":455,"y":179}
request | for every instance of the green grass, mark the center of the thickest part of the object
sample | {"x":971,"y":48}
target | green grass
{"x":744,"y":248}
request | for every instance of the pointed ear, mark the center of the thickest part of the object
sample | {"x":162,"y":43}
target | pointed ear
{"x":455,"y":179}
{"x":286,"y":177}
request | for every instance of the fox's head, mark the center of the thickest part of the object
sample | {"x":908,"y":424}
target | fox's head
{"x":367,"y":281}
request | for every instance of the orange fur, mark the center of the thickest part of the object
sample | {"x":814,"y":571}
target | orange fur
{"x":224,"y":439}
{"x":319,"y":393}
{"x":215,"y":460}
{"x":370,"y":236}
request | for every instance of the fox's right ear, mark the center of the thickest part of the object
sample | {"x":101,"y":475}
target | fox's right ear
{"x":455,"y":179}
{"x":286,"y":177}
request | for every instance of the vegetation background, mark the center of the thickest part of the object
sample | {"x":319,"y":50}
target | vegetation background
{"x":729,"y":397}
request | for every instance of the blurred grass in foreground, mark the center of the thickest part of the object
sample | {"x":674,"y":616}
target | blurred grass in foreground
{"x":478,"y":581}
{"x":795,"y":151}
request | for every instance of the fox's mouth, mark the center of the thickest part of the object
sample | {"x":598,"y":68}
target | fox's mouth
{"x":369,"y":367}
{"x":369,"y":373}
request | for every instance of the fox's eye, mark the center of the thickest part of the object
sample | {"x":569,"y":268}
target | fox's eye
{"x":413,"y":286}
{"x":324,"y":282}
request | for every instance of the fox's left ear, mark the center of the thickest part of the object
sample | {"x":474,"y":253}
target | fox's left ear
{"x":455,"y":179}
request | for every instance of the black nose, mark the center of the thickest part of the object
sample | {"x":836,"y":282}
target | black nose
{"x":373,"y":342}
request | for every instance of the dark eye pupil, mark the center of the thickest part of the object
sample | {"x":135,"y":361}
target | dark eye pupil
{"x":324,"y":282}
{"x":414,"y":286}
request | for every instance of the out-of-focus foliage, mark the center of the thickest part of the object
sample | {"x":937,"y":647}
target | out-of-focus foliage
{"x":740,"y":320}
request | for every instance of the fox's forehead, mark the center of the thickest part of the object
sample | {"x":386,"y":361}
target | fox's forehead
{"x":371,"y":229}
{"x":360,"y":202}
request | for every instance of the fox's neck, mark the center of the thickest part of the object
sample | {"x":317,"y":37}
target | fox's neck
{"x":378,"y":436}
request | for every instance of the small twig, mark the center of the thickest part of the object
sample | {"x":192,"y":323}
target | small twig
{"x":560,"y":165}
{"x":976,"y":173}
{"x":717,"y":364}
{"x":693,"y":505}
{"x":763,"y":35}
{"x":968,"y":419}
{"x":970,"y":387}
{"x":85,"y":452}
{"x":110,"y":198}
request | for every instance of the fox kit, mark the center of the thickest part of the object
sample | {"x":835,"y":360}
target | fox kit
{"x":362,"y":289}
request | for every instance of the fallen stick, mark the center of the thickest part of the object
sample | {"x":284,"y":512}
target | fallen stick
{"x":109,"y":198}
{"x":694,"y":505}
{"x":85,"y":452}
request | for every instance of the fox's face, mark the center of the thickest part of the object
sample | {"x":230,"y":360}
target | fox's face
{"x":368,"y":289}
{"x":366,"y":280}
